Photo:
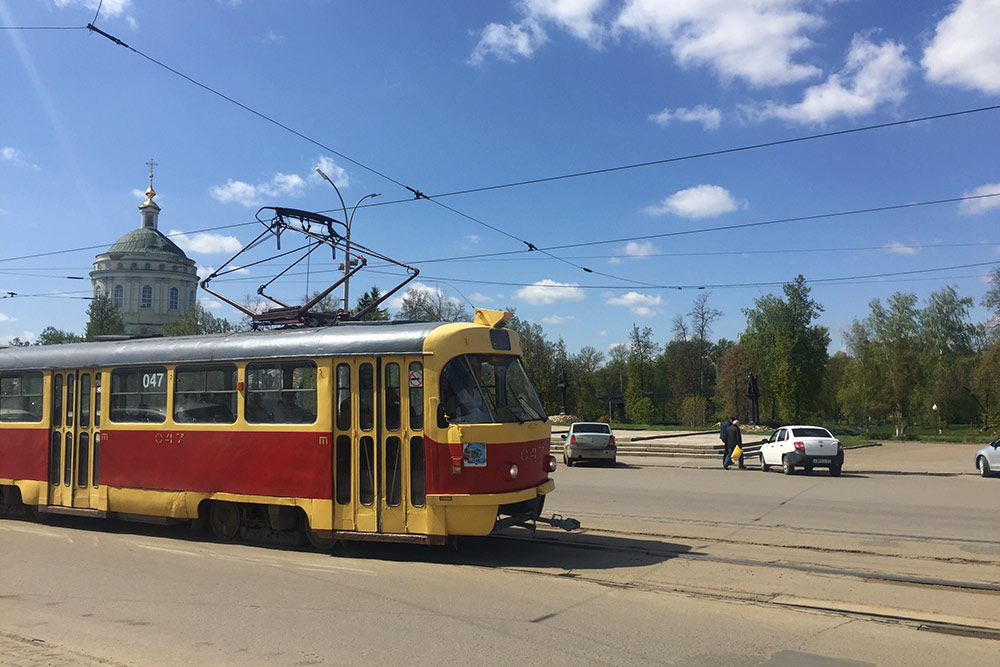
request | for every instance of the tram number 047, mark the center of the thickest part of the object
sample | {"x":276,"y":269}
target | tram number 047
{"x":152,"y":380}
{"x":530,"y":453}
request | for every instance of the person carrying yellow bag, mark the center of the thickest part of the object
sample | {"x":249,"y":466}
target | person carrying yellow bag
{"x":734,"y":445}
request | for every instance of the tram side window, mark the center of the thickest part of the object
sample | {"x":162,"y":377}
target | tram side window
{"x":343,"y":397}
{"x":392,"y":397}
{"x":366,"y":397}
{"x":139,"y":395}
{"x":281,"y":393}
{"x":416,"y":382}
{"x":21,"y":397}
{"x":205,"y":394}
{"x":418,"y":479}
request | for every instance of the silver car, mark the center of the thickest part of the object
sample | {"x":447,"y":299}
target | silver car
{"x":988,"y":459}
{"x":590,"y":441}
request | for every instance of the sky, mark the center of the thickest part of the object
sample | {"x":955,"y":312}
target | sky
{"x":649,"y":151}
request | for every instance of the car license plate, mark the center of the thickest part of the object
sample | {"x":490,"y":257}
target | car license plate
{"x":821,"y":460}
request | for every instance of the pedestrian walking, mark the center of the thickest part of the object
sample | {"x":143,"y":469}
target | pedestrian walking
{"x":733,"y":440}
{"x":722,"y":437}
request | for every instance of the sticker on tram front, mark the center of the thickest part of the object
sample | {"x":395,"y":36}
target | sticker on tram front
{"x":474,"y":455}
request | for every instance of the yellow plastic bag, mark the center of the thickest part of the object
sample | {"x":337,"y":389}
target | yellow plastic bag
{"x":737,"y":453}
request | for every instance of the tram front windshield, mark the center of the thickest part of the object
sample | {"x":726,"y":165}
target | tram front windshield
{"x":479,"y":389}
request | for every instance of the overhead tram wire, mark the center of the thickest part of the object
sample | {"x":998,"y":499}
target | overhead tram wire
{"x":870,"y":277}
{"x":433,"y":198}
{"x":744,"y":225}
{"x":511,"y":253}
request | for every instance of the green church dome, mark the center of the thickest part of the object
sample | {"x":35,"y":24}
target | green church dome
{"x":146,"y":241}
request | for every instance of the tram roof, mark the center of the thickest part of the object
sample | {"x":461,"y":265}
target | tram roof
{"x":345,"y":339}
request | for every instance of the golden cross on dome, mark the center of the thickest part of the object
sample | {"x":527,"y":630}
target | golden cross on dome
{"x":151,"y":165}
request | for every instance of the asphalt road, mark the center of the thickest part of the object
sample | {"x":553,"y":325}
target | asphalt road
{"x":673,"y":566}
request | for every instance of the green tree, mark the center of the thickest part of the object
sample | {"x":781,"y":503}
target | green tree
{"x":197,"y":321}
{"x":948,"y":358}
{"x":986,"y":384}
{"x":543,"y":360}
{"x":642,"y":352}
{"x":582,"y":392}
{"x":368,"y":298}
{"x":103,"y":318}
{"x":788,"y":351}
{"x":893,"y":332}
{"x":430,"y":304}
{"x":53,"y":336}
{"x":731,"y":385}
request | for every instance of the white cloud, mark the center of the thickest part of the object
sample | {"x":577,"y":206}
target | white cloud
{"x":210,"y":304}
{"x":25,"y":336}
{"x":16,"y":157}
{"x":709,"y":117}
{"x":111,"y":7}
{"x":965,"y":50}
{"x":642,"y":305}
{"x":873,"y":75}
{"x":547,"y":291}
{"x":615,"y":260}
{"x":6,"y":318}
{"x":329,"y":167}
{"x":558,"y":319}
{"x":477,"y":297}
{"x":977,"y":206}
{"x":603,"y":332}
{"x":280,"y":185}
{"x":634,"y":249}
{"x":701,"y":201}
{"x":205,"y":243}
{"x":506,"y":42}
{"x":751,"y":40}
{"x":900,"y":249}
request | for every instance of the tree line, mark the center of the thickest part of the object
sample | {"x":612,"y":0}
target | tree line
{"x":905,"y":362}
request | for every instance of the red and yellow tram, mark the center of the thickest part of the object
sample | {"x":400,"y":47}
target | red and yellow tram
{"x":390,"y":431}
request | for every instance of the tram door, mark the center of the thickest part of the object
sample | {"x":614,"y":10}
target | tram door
{"x":74,"y":437}
{"x":370,"y":477}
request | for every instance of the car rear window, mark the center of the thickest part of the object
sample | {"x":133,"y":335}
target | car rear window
{"x":591,"y":428}
{"x":811,"y":433}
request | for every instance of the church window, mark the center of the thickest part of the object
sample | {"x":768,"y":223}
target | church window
{"x":119,"y":296}
{"x":148,"y":266}
{"x":120,"y":265}
{"x":162,"y":267}
{"x":191,"y":299}
{"x":147,"y":297}
{"x":135,"y":265}
{"x":173,"y":298}
{"x":97,"y":291}
{"x":147,"y":220}
{"x":174,"y":268}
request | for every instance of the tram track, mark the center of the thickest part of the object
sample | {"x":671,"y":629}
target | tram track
{"x":931,"y":618}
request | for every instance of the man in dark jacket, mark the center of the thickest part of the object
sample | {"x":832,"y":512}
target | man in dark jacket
{"x":733,"y":438}
{"x":722,"y":436}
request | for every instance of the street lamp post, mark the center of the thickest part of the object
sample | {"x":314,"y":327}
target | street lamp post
{"x":348,"y":219}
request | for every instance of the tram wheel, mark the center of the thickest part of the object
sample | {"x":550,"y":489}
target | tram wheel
{"x":224,"y":519}
{"x":316,"y":541}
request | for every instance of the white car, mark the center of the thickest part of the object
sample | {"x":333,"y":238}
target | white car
{"x":590,"y":441}
{"x":988,"y":459}
{"x":805,"y":447}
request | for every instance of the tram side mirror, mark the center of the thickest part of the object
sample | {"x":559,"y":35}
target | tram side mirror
{"x":442,"y":417}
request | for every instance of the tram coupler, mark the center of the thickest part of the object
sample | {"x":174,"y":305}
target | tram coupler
{"x":557,"y":521}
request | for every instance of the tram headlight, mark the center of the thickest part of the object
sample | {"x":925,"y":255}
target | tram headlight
{"x":512,"y":471}
{"x":552,"y":463}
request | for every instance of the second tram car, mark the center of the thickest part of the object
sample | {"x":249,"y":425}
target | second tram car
{"x":389,"y":431}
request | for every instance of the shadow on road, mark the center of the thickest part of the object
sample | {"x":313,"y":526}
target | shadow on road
{"x":576,"y":551}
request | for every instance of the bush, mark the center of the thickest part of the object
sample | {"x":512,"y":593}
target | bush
{"x":694,"y":410}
